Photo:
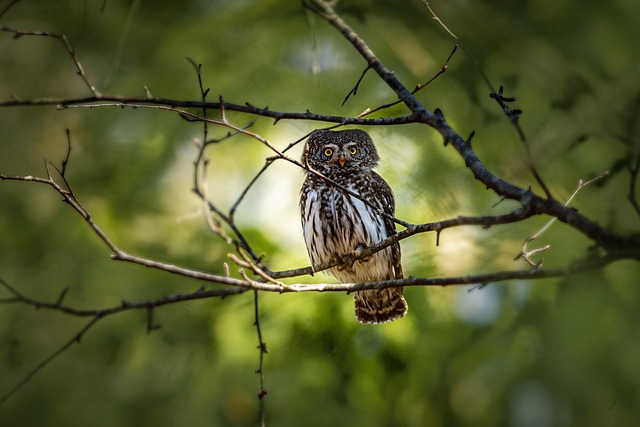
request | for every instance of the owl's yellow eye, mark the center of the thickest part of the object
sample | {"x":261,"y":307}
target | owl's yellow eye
{"x":352,"y":150}
{"x":328,"y":152}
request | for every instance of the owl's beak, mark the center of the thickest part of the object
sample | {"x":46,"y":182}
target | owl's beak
{"x":341,"y":160}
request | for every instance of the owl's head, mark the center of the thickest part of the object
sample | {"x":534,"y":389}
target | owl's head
{"x":343,"y":149}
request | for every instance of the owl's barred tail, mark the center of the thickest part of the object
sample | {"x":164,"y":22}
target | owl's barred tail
{"x":380,"y":306}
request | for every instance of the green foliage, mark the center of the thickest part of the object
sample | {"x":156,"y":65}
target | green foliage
{"x":546,"y":353}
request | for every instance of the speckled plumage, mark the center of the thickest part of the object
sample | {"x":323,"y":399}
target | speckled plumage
{"x":336,"y":223}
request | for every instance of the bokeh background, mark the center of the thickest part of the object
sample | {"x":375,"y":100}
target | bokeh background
{"x":561,"y":352}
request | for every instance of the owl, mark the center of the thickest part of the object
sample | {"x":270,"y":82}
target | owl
{"x":335,"y":223}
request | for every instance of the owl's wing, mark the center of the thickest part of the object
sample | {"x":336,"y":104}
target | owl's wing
{"x":385,"y":200}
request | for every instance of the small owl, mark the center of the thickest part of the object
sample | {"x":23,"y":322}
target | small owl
{"x":336,"y":223}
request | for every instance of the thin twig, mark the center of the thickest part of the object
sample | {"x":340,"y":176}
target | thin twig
{"x":255,"y":268}
{"x":262,"y":349}
{"x":65,"y":161}
{"x":209,"y":210}
{"x":354,"y":90}
{"x":527,"y":253}
{"x":63,"y":38}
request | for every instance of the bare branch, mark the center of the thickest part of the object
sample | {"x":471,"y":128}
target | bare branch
{"x":122,"y":101}
{"x":499,"y":276}
{"x":354,"y":91}
{"x":118,"y":254}
{"x":210,"y":210}
{"x":256,"y":269}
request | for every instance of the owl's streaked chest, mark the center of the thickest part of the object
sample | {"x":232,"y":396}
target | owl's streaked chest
{"x":336,"y":223}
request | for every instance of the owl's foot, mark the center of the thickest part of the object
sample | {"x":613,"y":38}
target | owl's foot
{"x":358,"y":251}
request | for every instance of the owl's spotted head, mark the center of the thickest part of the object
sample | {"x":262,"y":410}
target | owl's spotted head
{"x":345,"y":149}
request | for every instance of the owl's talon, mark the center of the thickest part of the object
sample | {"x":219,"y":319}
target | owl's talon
{"x":358,"y":251}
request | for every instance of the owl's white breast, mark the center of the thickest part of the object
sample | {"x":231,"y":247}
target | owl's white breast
{"x":350,"y":224}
